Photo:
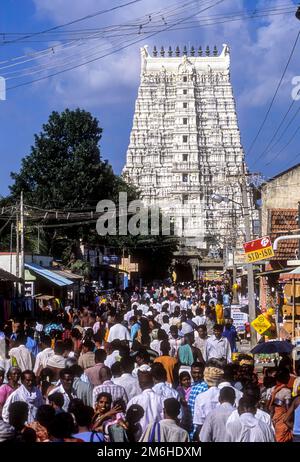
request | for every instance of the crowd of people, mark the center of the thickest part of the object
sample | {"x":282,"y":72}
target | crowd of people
{"x":153,"y":365}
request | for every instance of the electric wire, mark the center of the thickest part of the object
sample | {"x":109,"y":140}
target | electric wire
{"x":274,"y":96}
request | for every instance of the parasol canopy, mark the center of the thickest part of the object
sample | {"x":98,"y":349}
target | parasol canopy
{"x":273,"y":346}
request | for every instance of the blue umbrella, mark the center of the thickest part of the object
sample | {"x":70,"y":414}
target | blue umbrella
{"x":273,"y":346}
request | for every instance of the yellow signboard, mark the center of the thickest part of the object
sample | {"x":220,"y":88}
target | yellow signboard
{"x":213,"y":275}
{"x":260,"y":254}
{"x":261,"y":324}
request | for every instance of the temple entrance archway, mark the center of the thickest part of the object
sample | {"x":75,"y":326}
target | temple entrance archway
{"x":183,"y":272}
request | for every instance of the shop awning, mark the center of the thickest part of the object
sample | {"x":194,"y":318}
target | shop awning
{"x":295,"y":274}
{"x":266,"y":273}
{"x":113,"y":269}
{"x":49,"y":275}
{"x":68,"y":275}
{"x":6,"y":276}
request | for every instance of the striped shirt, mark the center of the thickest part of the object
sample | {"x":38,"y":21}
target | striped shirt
{"x":116,"y":391}
{"x":196,"y":389}
{"x":200,"y":387}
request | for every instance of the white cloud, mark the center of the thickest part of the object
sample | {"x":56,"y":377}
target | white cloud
{"x":101,"y":81}
{"x":259,"y":50}
{"x":106,"y":79}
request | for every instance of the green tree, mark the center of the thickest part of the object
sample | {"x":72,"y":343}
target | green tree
{"x":64,"y":168}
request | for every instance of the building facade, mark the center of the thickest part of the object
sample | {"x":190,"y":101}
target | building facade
{"x":185,"y":145}
{"x":279,"y":217}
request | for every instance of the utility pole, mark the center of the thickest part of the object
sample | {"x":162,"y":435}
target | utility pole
{"x":248,"y":235}
{"x":22,"y":241}
{"x":299,"y":222}
{"x":11,"y":247}
{"x":38,"y":242}
{"x":235,"y":299}
{"x":17,"y":250}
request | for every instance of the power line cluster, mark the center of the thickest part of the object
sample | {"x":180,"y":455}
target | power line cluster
{"x":141,"y":25}
{"x":84,"y":46}
{"x":277,"y":137}
{"x":36,"y":218}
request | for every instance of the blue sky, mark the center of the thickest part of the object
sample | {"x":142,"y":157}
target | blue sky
{"x":108,"y":87}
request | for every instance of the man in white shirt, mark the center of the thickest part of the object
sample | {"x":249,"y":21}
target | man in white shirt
{"x":214,"y":426}
{"x":164,"y":311}
{"x":186,"y":328}
{"x":227,"y":380}
{"x":247,"y":428}
{"x":65,"y":387}
{"x":28,"y":393}
{"x":142,"y":359}
{"x":174,"y":320}
{"x":175,"y":340}
{"x":166,"y":326}
{"x":126,"y":380}
{"x":253,"y":393}
{"x":150,"y":401}
{"x":172,"y":305}
{"x":118,"y":331}
{"x":183,"y":304}
{"x":217,"y":346}
{"x":167,"y":430}
{"x":201,"y":339}
{"x":162,"y":387}
{"x":208,"y":400}
{"x":108,"y":386}
{"x":199,"y":318}
{"x":69,"y":307}
{"x":143,"y":307}
{"x":42,"y":357}
{"x":113,"y":353}
{"x":129,"y":315}
{"x":20,"y":353}
{"x":157,"y":306}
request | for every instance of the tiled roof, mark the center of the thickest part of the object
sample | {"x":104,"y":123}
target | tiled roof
{"x":282,"y":222}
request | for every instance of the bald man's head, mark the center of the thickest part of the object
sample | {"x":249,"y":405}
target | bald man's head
{"x":105,"y":374}
{"x":145,"y":379}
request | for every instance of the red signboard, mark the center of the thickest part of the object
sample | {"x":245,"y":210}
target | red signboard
{"x":257,"y":244}
{"x":259,"y":249}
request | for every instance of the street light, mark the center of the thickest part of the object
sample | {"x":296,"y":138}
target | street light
{"x":218,"y":198}
{"x":245,"y":209}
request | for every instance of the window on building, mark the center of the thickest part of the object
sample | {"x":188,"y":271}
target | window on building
{"x":184,"y":139}
{"x":185,"y":92}
{"x":184,"y":121}
{"x":185,"y":177}
{"x":184,"y":157}
{"x":184,"y":105}
{"x":185,"y":198}
{"x":185,"y":78}
{"x":256,"y":227}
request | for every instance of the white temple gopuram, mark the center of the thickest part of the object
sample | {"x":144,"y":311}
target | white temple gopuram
{"x":185,"y":144}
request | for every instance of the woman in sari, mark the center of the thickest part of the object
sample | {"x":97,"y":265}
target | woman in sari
{"x":13,"y":377}
{"x":278,"y":406}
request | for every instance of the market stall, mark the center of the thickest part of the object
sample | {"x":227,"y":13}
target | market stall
{"x":291,"y":306}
